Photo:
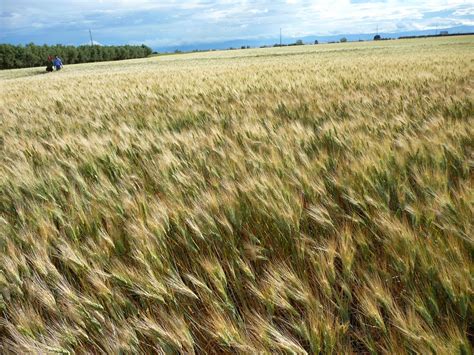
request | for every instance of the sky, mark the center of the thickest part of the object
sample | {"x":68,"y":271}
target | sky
{"x":167,"y":23}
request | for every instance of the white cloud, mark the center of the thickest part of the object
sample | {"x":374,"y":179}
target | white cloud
{"x":175,"y":21}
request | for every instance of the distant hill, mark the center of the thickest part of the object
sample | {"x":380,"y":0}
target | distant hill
{"x":307,"y":39}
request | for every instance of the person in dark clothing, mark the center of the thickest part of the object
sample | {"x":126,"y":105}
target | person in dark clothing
{"x":49,"y":64}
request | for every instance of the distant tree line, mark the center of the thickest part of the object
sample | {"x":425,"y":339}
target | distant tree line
{"x":33,"y":55}
{"x":443,"y":34}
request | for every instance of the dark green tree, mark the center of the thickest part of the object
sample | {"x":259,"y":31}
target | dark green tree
{"x":33,"y":55}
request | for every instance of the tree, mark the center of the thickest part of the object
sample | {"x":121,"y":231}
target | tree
{"x":316,"y":41}
{"x":29,"y":56}
{"x":377,"y":38}
{"x":147,"y":50}
{"x":299,"y":42}
{"x":32,"y":55}
{"x":7,"y":56}
{"x":343,"y":40}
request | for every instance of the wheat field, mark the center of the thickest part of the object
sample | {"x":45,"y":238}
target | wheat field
{"x":301,"y":200}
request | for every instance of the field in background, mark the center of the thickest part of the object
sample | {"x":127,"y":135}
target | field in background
{"x":314,"y":199}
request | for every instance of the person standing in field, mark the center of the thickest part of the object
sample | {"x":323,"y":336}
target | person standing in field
{"x":58,"y":64}
{"x":49,"y":64}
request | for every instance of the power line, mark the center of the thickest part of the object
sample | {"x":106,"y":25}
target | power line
{"x":90,"y":34}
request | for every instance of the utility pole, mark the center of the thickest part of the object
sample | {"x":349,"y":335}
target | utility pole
{"x":90,"y":34}
{"x":280,"y":38}
{"x":377,"y":30}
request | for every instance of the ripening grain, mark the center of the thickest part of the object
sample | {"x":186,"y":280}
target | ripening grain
{"x":314,"y":199}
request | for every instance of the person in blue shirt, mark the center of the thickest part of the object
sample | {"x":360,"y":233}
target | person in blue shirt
{"x":58,"y":64}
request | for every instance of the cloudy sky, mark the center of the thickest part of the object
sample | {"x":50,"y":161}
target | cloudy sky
{"x":169,"y":22}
